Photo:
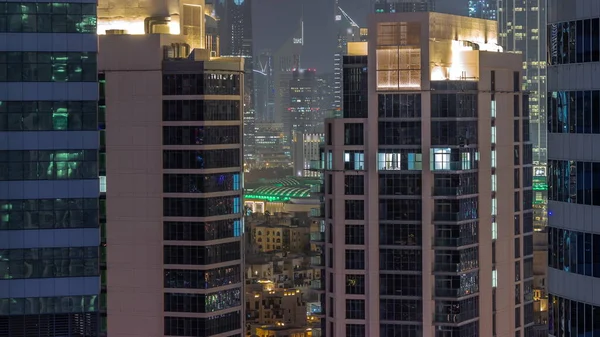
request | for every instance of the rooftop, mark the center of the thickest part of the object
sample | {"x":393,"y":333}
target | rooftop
{"x":277,"y":193}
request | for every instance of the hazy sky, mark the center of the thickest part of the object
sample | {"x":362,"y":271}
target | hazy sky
{"x":274,"y":21}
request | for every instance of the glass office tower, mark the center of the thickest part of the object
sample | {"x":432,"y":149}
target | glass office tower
{"x":573,"y":166}
{"x":49,"y":188}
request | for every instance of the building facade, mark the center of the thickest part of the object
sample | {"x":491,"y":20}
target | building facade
{"x":400,"y":6}
{"x":420,"y":232}
{"x":49,"y":186}
{"x":573,"y":164}
{"x":173,"y":152}
{"x":483,"y":9}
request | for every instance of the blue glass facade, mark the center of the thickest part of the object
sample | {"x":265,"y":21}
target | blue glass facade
{"x":49,"y":188}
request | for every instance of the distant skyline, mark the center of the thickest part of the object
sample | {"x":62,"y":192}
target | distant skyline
{"x":276,"y":20}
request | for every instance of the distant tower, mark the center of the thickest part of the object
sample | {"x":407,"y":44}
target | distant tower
{"x":398,"y":6}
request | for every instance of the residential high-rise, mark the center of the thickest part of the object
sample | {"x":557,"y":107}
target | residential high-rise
{"x":173,"y":144}
{"x":573,"y":165}
{"x":399,"y":6}
{"x":49,"y":186}
{"x":425,"y":234}
{"x":483,"y":9}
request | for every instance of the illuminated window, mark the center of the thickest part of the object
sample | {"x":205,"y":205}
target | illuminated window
{"x":440,"y":159}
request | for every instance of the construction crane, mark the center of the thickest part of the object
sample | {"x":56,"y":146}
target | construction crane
{"x":352,"y":23}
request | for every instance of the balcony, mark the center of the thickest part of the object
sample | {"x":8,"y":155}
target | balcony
{"x":318,"y":212}
{"x":317,"y":261}
{"x":317,"y":285}
{"x":454,"y":217}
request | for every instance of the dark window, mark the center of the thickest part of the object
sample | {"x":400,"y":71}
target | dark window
{"x":517,"y":180}
{"x":355,"y":259}
{"x":516,"y":106}
{"x":201,"y":135}
{"x":517,"y":222}
{"x":47,"y":66}
{"x":399,"y":105}
{"x":493,"y":80}
{"x":400,"y":310}
{"x":517,"y":159}
{"x":462,"y":133}
{"x":49,"y":262}
{"x":354,"y":184}
{"x":454,"y":105}
{"x":48,"y":116}
{"x":404,"y":330}
{"x":456,"y":210}
{"x":82,"y":320}
{"x":214,"y":325}
{"x":400,"y":235}
{"x":355,"y":235}
{"x":400,"y":209}
{"x":400,"y":259}
{"x":202,"y":255}
{"x":355,"y":330}
{"x":354,"y":134}
{"x":355,"y":87}
{"x":400,"y":285}
{"x":517,"y":317}
{"x":354,"y":209}
{"x":201,"y":183}
{"x":201,"y":231}
{"x":400,"y":184}
{"x":516,"y":81}
{"x":201,"y":110}
{"x":48,"y":165}
{"x":201,"y":207}
{"x":399,"y":133}
{"x":329,"y":134}
{"x":201,"y":159}
{"x":517,"y":248}
{"x":203,"y":303}
{"x":355,"y":309}
{"x":202,"y":279}
{"x":355,"y":284}
{"x":516,"y":131}
{"x":49,"y":213}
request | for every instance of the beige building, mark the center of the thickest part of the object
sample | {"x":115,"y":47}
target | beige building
{"x":173,"y":173}
{"x":270,"y":305}
{"x":282,"y":331}
{"x":428,"y":185}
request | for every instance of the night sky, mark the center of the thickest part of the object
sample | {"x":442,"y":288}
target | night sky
{"x":276,"y":20}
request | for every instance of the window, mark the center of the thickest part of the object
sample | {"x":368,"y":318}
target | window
{"x":354,"y":184}
{"x":448,"y":133}
{"x":453,"y":105}
{"x":400,"y":285}
{"x":400,"y":310}
{"x":354,"y":160}
{"x":355,"y":309}
{"x":399,"y":105}
{"x":202,"y":279}
{"x":516,"y":107}
{"x":394,"y":160}
{"x":48,"y":165}
{"x":355,"y":330}
{"x":201,"y":110}
{"x":201,"y":207}
{"x":213,"y":325}
{"x":400,"y":133}
{"x":516,"y":131}
{"x":400,"y":259}
{"x":49,"y":213}
{"x":354,"y":209}
{"x":50,"y":17}
{"x":400,"y":184}
{"x":201,"y":135}
{"x":201,"y":231}
{"x":48,"y":306}
{"x":201,"y":84}
{"x":201,"y":159}
{"x":353,"y":134}
{"x":355,"y":235}
{"x":355,"y":259}
{"x":516,"y":81}
{"x":355,"y":284}
{"x":517,"y":224}
{"x":398,"y":67}
{"x":202,"y":303}
{"x":50,"y":263}
{"x":201,"y":183}
{"x":48,"y":66}
{"x":202,"y":255}
{"x":400,"y":209}
{"x":48,"y":115}
{"x":400,"y":235}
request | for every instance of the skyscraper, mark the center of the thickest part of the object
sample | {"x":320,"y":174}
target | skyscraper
{"x":425,"y":236}
{"x":49,"y":188}
{"x":173,"y":145}
{"x":521,"y":30}
{"x":235,"y":38}
{"x":573,"y":165}
{"x":483,"y":9}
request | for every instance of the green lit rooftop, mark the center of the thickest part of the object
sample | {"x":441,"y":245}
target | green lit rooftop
{"x":277,"y":193}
